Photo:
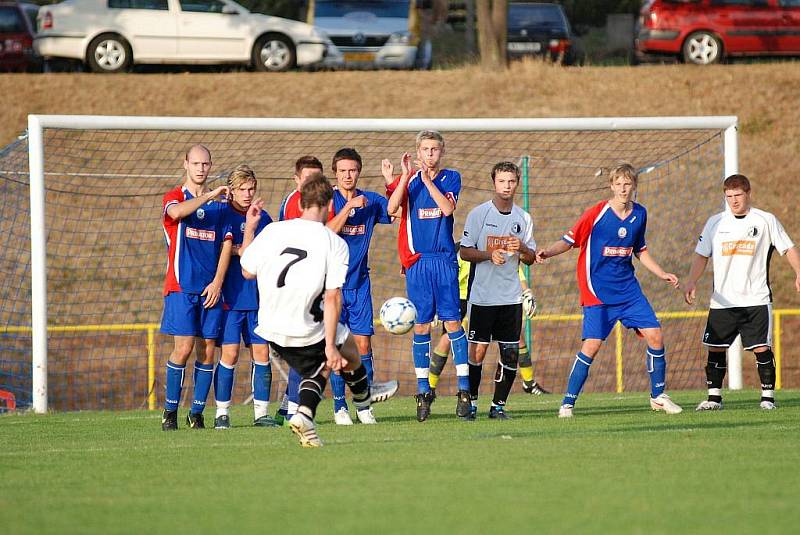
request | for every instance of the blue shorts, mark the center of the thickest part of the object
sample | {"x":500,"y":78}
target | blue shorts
{"x":238,"y":326}
{"x":357,"y":309}
{"x":184,"y":315}
{"x":598,"y":320}
{"x":432,"y":285}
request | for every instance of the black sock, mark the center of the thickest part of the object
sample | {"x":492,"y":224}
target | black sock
{"x":765,"y":361}
{"x":358,"y":382}
{"x":475,"y":373}
{"x":715,"y":373}
{"x":310,"y":393}
{"x":503,"y":381}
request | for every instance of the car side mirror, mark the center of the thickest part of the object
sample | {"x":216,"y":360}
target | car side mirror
{"x":229,"y":10}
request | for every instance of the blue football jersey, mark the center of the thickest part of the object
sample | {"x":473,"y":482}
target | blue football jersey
{"x":357,"y":232}
{"x":239,"y":293}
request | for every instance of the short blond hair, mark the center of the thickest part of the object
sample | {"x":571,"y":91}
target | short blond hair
{"x":241,"y":175}
{"x":430,"y":134}
{"x":623,"y":170}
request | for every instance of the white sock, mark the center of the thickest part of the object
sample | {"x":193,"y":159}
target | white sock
{"x":260,"y":408}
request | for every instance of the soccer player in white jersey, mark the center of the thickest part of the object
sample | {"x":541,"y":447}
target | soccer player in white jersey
{"x":300,"y":266}
{"x":740,"y":241}
{"x":497,"y":235}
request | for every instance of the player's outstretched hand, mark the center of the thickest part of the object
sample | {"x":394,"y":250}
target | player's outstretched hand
{"x":498,"y":257}
{"x":689,"y":293}
{"x":334,"y":360}
{"x":211,"y":294}
{"x":387,"y":170}
{"x":672,"y":279}
{"x":541,"y":256}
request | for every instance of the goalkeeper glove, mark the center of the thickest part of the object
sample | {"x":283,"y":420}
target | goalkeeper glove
{"x":528,"y":303}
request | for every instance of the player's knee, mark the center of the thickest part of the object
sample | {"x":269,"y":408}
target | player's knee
{"x":717,"y":359}
{"x":509,"y":355}
{"x":422,"y":328}
{"x":591,"y":346}
{"x":230,"y":355}
{"x":654,"y":338}
{"x":452,"y":326}
{"x":478,"y":353}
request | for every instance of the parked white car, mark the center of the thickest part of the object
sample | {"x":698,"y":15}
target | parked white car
{"x":111,"y":35}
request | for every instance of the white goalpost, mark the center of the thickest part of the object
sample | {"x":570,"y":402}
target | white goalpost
{"x":555,"y":142}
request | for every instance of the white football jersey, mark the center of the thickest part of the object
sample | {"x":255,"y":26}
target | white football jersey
{"x":740,"y":248}
{"x":488,"y":229}
{"x":295,"y":261}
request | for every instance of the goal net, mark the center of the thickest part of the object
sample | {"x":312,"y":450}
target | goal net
{"x":95,"y":208}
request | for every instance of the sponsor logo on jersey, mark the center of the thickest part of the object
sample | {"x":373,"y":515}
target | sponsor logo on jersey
{"x":739,"y":248}
{"x":622,"y":232}
{"x":494,"y":243}
{"x":617,"y":251}
{"x":353,"y":230}
{"x":752,"y":232}
{"x":200,"y":234}
{"x":516,"y":228}
{"x":201,"y":214}
{"x":429,"y":213}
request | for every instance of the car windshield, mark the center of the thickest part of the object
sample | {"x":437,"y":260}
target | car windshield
{"x":526,"y":16}
{"x":378,"y":8}
{"x":10,"y":21}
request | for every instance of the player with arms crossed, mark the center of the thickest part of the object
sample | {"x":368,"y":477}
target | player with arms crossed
{"x":198,"y":253}
{"x":425,"y":201}
{"x":240,"y":312}
{"x":740,"y":241}
{"x":354,"y":215}
{"x":300,"y":266}
{"x":609,"y":234}
{"x":497,"y":235}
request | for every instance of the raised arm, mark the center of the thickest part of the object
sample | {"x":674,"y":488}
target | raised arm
{"x":188,"y":207}
{"x":556,"y":248}
{"x":650,"y":263}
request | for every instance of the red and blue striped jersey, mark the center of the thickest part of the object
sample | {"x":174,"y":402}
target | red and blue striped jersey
{"x":239,"y":293}
{"x":607,"y":243}
{"x":193,"y":243}
{"x":357,"y":232}
{"x":423,"y":228}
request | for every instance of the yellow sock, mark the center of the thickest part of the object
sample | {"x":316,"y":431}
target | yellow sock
{"x":525,"y":366}
{"x":526,"y":373}
{"x":437,"y":365}
{"x":433,"y":379}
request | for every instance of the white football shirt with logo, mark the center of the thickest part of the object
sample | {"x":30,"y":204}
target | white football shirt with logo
{"x":488,"y":229}
{"x":295,"y":261}
{"x":740,"y":248}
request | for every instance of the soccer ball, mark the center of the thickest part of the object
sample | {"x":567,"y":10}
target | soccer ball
{"x":398,"y":315}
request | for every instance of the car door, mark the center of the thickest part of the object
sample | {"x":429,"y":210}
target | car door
{"x":150,"y":25}
{"x":789,"y":39}
{"x":212,"y":30}
{"x":748,"y":26}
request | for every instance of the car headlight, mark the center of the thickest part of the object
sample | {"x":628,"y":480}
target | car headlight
{"x":400,"y":38}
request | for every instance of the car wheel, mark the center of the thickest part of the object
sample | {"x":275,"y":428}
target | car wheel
{"x":273,"y":53}
{"x":109,"y":53}
{"x":702,"y":48}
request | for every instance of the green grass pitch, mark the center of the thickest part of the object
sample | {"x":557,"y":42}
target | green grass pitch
{"x":616,"y":467}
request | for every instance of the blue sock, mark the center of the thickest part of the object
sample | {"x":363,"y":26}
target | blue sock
{"x":422,"y":361}
{"x":223,"y":382}
{"x":175,"y":374}
{"x":458,"y":341}
{"x":337,"y":389}
{"x":293,"y":386}
{"x":261,"y":381}
{"x":657,"y":368}
{"x":366,"y":360}
{"x":578,"y":375}
{"x":203,"y":376}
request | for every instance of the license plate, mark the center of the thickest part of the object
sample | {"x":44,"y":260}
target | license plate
{"x":524,"y":47}
{"x":359,"y":57}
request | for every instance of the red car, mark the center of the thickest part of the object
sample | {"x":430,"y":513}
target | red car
{"x":17,"y":26}
{"x":706,"y":31}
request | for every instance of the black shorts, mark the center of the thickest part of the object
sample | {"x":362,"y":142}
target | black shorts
{"x":753,"y":323}
{"x":307,"y":361}
{"x":494,"y":323}
{"x":463,"y":308}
